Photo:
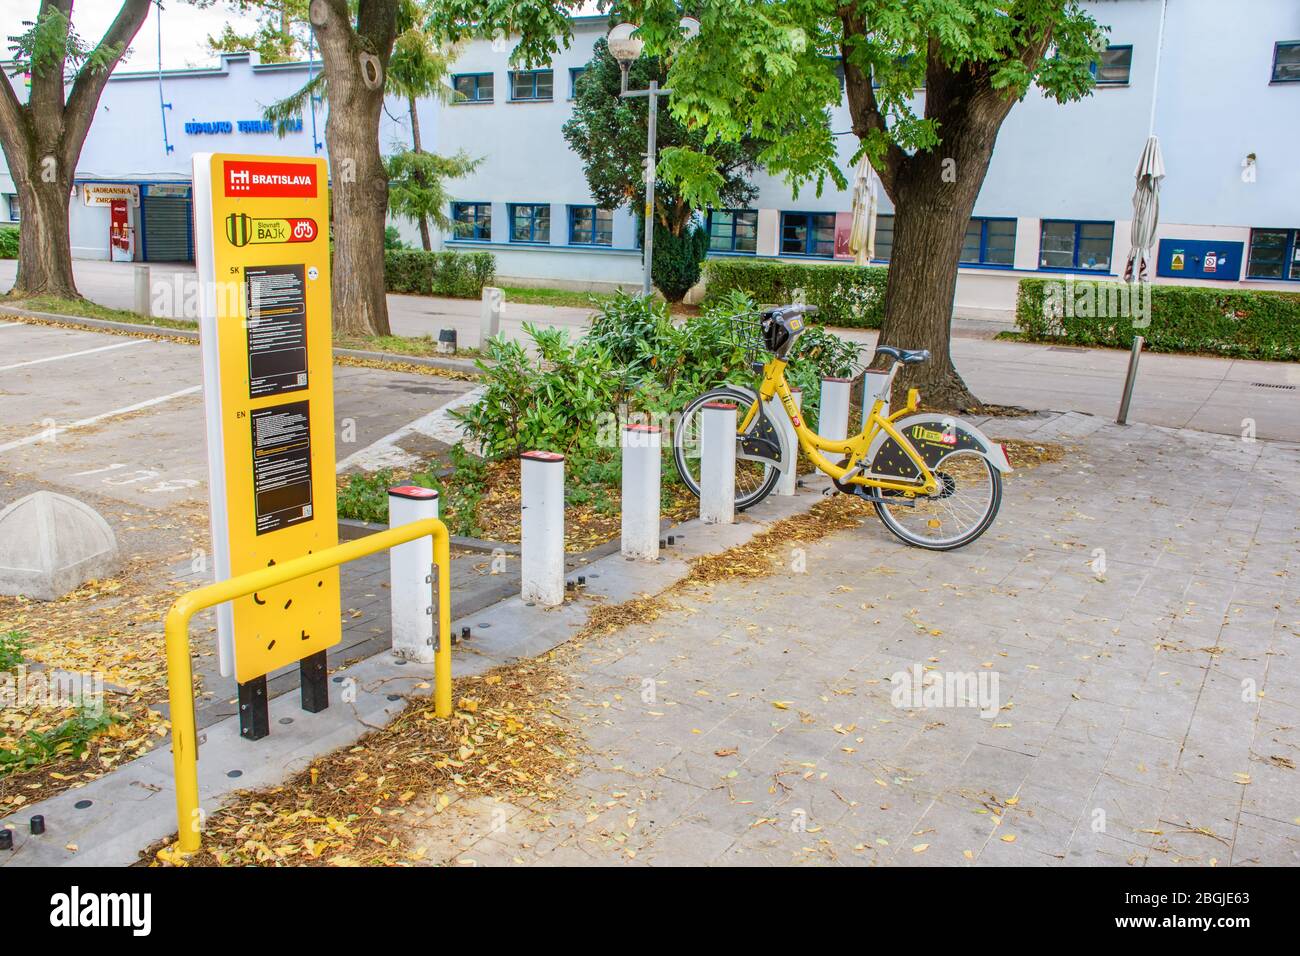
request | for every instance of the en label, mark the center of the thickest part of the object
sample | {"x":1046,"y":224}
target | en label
{"x":281,"y":465}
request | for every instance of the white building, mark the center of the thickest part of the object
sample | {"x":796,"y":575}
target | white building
{"x":1057,"y":198}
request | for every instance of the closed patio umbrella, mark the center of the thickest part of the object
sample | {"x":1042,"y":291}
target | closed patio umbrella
{"x":866,"y":193}
{"x":1146,"y":210}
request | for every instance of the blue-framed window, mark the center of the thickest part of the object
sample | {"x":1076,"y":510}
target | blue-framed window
{"x":532,"y":84}
{"x":1286,"y":62}
{"x":590,"y":226}
{"x":471,"y":221}
{"x":575,"y":74}
{"x":1075,"y":244}
{"x":1113,"y":65}
{"x":808,"y":234}
{"x":990,"y":242}
{"x":530,"y":222}
{"x":1274,"y":254}
{"x":12,"y":203}
{"x":473,"y":87}
{"x":733,"y":230}
{"x":884,"y":236}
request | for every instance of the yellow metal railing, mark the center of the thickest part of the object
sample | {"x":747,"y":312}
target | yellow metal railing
{"x":180,"y":678}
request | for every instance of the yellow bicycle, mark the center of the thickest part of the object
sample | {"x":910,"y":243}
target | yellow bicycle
{"x":935,"y":480}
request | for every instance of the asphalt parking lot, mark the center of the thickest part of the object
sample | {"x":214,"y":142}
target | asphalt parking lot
{"x":122,"y":417}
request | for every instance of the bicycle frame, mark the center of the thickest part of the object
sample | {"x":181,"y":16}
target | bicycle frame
{"x":855,"y":448}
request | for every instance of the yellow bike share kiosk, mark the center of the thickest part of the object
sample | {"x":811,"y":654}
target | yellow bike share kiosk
{"x":263,"y":256}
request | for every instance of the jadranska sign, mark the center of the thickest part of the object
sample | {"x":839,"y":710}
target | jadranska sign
{"x":103,"y":194}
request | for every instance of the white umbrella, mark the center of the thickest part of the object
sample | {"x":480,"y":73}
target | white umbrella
{"x":866,"y":195}
{"x":1146,"y":210}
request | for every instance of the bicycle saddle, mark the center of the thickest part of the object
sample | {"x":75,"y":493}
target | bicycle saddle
{"x":906,"y":356}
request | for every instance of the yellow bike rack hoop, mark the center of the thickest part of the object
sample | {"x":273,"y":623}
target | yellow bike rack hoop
{"x":180,"y":677}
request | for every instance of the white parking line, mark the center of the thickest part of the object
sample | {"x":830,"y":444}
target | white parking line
{"x":49,"y":433}
{"x":68,"y":355}
{"x":10,"y":325}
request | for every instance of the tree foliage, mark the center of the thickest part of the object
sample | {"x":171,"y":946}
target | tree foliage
{"x":417,"y":184}
{"x":608,"y":133}
{"x":281,"y":33}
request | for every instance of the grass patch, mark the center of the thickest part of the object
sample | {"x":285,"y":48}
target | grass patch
{"x":12,"y":645}
{"x":422,"y":345}
{"x":364,"y":496}
{"x":69,"y":739}
{"x":85,"y":309}
{"x":559,"y":297}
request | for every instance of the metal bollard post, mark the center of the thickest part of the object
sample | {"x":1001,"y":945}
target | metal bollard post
{"x":718,"y":463}
{"x":1130,"y":380}
{"x":833,"y":417}
{"x":875,"y":384}
{"x":788,"y":483}
{"x":142,"y":297}
{"x":410,"y":567}
{"x":489,"y":319}
{"x":541,"y":531}
{"x":641,"y":477}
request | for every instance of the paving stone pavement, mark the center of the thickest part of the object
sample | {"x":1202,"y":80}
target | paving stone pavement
{"x":1138,"y":604}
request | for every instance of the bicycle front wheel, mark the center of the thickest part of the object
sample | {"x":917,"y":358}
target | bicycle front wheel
{"x":970,"y":492}
{"x":754,"y":480}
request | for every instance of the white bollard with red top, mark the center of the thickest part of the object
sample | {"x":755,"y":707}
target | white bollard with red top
{"x":718,"y":463}
{"x":410,"y":570}
{"x":833,"y":415}
{"x":788,"y":483}
{"x":541,"y":528}
{"x":641,"y":495}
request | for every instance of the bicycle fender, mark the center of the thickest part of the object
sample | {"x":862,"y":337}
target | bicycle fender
{"x":934,"y":437}
{"x":769,"y":438}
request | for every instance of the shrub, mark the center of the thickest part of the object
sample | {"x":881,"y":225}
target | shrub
{"x":457,"y":274}
{"x":846,"y":295}
{"x":1242,"y":323}
{"x":676,"y":265}
{"x":393,"y":238}
{"x":8,"y":242}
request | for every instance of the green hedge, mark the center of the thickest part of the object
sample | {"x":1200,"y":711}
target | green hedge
{"x":458,"y":274}
{"x":1242,"y":323}
{"x":850,"y":296}
{"x":8,"y":242}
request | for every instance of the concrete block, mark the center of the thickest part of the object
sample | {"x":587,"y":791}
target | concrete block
{"x":51,"y":544}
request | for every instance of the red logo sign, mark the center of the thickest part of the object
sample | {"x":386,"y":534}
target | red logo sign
{"x":286,"y":180}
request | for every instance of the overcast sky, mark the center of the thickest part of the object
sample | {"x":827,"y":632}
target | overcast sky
{"x":185,"y":30}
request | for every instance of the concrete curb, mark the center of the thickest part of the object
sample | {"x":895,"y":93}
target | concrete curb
{"x":465,"y":366}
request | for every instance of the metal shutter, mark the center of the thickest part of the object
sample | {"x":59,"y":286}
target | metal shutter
{"x":167,"y":229}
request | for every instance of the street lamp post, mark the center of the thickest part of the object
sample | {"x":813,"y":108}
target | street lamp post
{"x":626,"y":48}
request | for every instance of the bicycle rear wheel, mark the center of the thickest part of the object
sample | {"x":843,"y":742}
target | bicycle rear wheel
{"x":754,"y":480}
{"x":970,"y":493}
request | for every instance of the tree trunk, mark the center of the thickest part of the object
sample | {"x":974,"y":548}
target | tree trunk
{"x":425,"y":239}
{"x":44,"y":245}
{"x":934,"y":195}
{"x":358,"y":177}
{"x":920,"y":289}
{"x":42,"y":141}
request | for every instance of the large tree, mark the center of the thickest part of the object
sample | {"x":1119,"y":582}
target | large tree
{"x":419,"y":70}
{"x":769,"y":70}
{"x":42,"y":138}
{"x":356,"y":42}
{"x":608,"y":132}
